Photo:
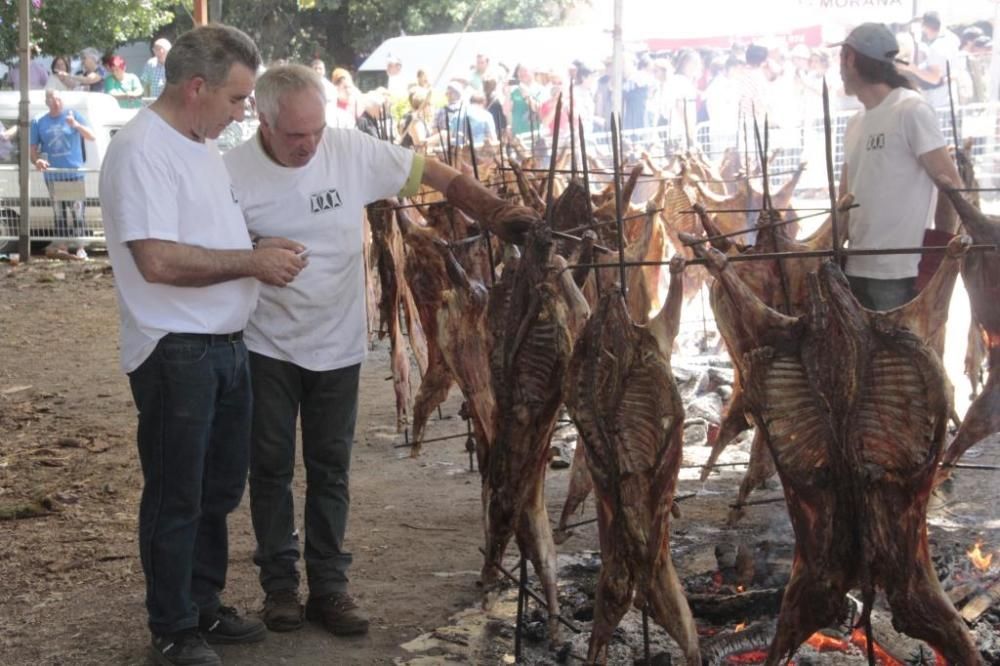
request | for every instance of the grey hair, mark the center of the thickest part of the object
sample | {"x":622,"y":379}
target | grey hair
{"x":91,"y":52}
{"x":277,"y":81}
{"x":210,"y":51}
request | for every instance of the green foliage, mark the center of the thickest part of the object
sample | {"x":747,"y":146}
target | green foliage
{"x":344,"y":31}
{"x":66,"y":26}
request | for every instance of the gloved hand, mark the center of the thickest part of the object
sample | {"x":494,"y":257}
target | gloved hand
{"x":508,"y":221}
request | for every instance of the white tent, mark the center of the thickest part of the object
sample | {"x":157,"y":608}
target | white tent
{"x":452,"y":55}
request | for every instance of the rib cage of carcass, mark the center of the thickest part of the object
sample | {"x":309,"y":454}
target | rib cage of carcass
{"x":853,"y":406}
{"x":534,"y":313}
{"x":622,"y":396}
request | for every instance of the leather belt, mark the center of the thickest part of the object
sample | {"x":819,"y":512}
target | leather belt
{"x":211,"y":338}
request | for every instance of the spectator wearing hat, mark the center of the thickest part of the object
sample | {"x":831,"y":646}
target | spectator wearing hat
{"x":123,"y":86}
{"x":894,"y":153}
{"x":940,"y":47}
{"x":397,"y":84}
{"x":977,"y":63}
{"x":447,"y":118}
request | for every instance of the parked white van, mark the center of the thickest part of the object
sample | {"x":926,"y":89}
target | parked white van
{"x":105,"y":117}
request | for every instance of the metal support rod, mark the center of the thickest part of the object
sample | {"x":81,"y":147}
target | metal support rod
{"x":470,"y":443}
{"x":951,"y":104}
{"x":487,"y":238}
{"x":447,"y":134}
{"x":586,"y":186}
{"x":645,"y":614}
{"x":23,"y":129}
{"x":828,"y":139}
{"x":653,"y":178}
{"x":572,"y":131}
{"x":534,"y":595}
{"x":616,"y":157}
{"x":550,"y":186}
{"x":522,"y":586}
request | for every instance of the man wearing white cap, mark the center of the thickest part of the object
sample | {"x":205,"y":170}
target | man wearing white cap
{"x":894,"y":155}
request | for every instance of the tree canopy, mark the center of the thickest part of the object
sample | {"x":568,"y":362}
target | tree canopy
{"x":66,"y":26}
{"x":342,"y":31}
{"x":346,"y":30}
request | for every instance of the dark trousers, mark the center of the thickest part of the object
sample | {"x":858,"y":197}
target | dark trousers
{"x":877,"y":294}
{"x":194,"y":401}
{"x":328,"y":404}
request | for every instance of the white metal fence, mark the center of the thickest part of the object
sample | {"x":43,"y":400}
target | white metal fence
{"x":979,"y":123}
{"x":65,"y":204}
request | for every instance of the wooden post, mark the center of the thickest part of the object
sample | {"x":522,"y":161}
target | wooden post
{"x":200,"y":12}
{"x":23,"y":124}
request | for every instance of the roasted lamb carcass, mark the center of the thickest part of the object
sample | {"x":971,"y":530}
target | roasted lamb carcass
{"x":621,"y":394}
{"x":854,"y":409}
{"x":388,"y":258}
{"x":780,"y":284}
{"x":981,"y":275}
{"x":533,"y":315}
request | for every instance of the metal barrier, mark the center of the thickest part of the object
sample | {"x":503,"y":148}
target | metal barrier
{"x":64,"y":206}
{"x":802,"y":142}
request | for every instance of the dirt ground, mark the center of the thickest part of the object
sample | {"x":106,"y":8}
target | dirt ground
{"x":71,"y":586}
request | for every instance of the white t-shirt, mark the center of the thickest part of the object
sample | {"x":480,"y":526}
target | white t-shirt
{"x":895,"y":194}
{"x":157,"y":183}
{"x":317,"y":322}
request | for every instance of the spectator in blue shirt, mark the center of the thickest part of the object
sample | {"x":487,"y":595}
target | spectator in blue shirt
{"x":57,"y":149}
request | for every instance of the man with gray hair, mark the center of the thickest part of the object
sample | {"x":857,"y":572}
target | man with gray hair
{"x":301,"y":179}
{"x":187,"y":277}
{"x":154,"y":74}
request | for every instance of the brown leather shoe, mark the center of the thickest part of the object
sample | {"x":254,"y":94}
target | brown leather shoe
{"x":338,"y":613}
{"x":282,"y":610}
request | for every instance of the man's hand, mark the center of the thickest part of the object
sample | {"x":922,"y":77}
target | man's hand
{"x":511,"y":223}
{"x":277,"y":266}
{"x":41,"y":164}
{"x":277,"y":241}
{"x":71,"y":120}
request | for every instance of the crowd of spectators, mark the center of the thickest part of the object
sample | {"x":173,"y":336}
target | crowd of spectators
{"x":673,"y":91}
{"x":97,"y":72}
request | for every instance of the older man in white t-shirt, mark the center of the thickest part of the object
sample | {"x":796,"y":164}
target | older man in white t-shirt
{"x":894,"y":155}
{"x":301,"y":179}
{"x":187,"y":279}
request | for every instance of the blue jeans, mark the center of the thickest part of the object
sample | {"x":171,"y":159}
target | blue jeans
{"x":194,"y":400}
{"x":877,"y":294}
{"x":328,"y":403}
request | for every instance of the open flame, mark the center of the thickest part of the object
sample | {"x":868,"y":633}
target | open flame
{"x":823,"y":643}
{"x":740,"y":627}
{"x":980,"y":560}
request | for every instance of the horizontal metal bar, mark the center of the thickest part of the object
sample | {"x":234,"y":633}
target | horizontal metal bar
{"x":445,"y":438}
{"x":772,"y":500}
{"x":590,"y":521}
{"x":763,"y":256}
{"x":741,"y":232}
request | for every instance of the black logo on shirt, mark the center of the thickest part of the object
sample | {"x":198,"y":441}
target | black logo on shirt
{"x":232,"y":193}
{"x":321,"y":201}
{"x":876,"y":141}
